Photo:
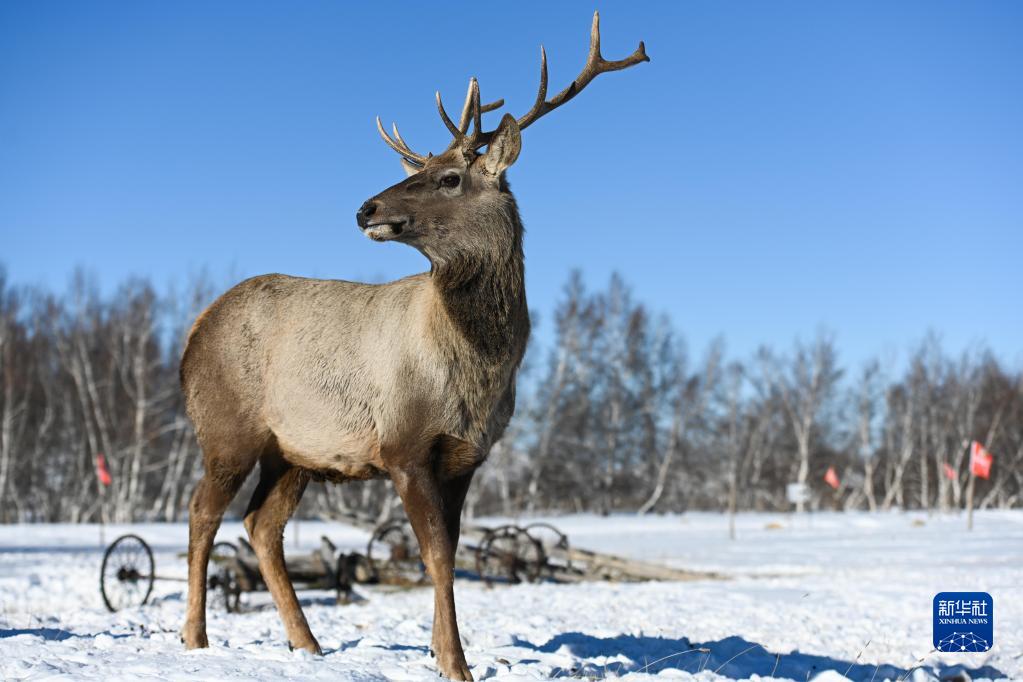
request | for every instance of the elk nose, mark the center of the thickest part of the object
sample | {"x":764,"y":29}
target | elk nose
{"x":366,"y":212}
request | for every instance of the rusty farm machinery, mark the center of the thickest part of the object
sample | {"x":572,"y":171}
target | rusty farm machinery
{"x":499,"y":555}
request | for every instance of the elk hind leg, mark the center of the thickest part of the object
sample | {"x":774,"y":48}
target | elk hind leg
{"x":216,"y":489}
{"x":274,"y":501}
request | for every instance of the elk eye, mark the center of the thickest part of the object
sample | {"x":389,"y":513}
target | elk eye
{"x":450,"y":181}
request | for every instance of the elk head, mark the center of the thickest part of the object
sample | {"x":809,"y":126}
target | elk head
{"x":459,"y":200}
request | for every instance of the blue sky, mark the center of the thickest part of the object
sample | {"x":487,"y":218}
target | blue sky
{"x":776,"y":167}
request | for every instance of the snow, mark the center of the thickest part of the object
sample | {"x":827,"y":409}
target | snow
{"x":823,"y":597}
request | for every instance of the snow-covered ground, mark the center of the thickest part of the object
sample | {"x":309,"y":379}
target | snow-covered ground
{"x":828,"y":597}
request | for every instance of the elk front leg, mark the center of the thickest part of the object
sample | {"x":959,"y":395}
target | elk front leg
{"x":422,"y":497}
{"x":453,"y":493}
{"x":274,"y":501}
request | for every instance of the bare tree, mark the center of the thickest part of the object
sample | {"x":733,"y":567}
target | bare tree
{"x":868,"y":396}
{"x":806,"y":383}
{"x":87,"y":372}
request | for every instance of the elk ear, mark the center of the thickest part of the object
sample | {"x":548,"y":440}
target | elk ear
{"x":504,"y":147}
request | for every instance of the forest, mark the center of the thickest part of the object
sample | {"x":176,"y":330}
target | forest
{"x":615,"y":413}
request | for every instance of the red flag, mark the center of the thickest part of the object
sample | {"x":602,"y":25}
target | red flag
{"x":101,"y":470}
{"x":831,"y":478}
{"x":950,"y":473}
{"x":980,"y":460}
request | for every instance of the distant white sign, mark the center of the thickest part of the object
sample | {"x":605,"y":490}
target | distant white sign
{"x":797,"y":492}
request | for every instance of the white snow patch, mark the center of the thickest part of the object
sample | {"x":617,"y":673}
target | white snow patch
{"x":805,"y":597}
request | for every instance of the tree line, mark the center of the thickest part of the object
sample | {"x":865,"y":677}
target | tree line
{"x":615,"y":414}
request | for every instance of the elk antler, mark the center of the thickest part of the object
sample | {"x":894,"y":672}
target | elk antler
{"x":399,"y":145}
{"x":472,"y":110}
{"x":595,"y":65}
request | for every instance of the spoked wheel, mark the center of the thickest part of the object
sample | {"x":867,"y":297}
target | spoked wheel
{"x":222,"y":588}
{"x":550,"y":538}
{"x":126,"y":575}
{"x":351,"y":568}
{"x":509,"y":554}
{"x":393,"y":554}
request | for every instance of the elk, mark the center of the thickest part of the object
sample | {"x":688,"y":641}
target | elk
{"x":412,"y":380}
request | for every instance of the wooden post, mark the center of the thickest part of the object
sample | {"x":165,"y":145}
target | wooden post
{"x":733,"y":494}
{"x":969,"y":486}
{"x":969,"y":499}
{"x":102,"y":516}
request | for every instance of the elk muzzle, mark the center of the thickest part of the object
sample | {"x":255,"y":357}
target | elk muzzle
{"x":376,"y":226}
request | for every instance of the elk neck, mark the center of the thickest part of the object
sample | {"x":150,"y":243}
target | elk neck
{"x":481,"y":288}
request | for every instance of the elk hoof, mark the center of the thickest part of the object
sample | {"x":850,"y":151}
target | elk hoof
{"x":454,"y":667}
{"x":194,"y":639}
{"x":312,"y":646}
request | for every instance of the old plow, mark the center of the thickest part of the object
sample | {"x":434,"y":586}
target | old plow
{"x":499,"y":555}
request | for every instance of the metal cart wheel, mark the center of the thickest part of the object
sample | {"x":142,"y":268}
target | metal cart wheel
{"x":222,"y":588}
{"x":548,"y":534}
{"x":352,"y":568}
{"x":509,"y":554}
{"x":127,"y":573}
{"x":394,"y":552}
{"x":550,"y":537}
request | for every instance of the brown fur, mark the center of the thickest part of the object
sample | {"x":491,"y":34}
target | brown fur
{"x":414,"y":380}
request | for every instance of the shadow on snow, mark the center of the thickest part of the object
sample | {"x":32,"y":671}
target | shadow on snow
{"x":55,"y":634}
{"x":732,"y":657}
